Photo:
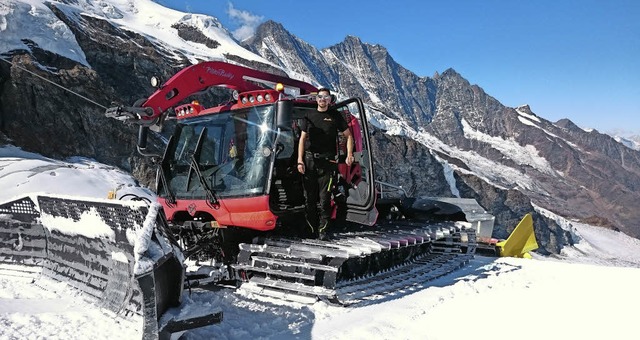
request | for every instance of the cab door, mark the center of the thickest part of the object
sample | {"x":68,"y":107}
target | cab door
{"x":358,"y":180}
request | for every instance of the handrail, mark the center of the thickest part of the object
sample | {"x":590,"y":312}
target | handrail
{"x":380,"y":187}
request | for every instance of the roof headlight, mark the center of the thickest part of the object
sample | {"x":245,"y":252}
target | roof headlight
{"x":155,"y":81}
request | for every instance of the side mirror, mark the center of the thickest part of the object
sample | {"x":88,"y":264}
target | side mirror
{"x":284,"y":114}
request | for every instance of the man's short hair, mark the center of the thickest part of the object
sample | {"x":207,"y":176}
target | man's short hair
{"x":324,"y":89}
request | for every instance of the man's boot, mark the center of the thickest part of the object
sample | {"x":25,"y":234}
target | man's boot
{"x":322,"y":231}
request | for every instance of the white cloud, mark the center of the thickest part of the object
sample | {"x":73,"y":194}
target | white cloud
{"x":248,"y":22}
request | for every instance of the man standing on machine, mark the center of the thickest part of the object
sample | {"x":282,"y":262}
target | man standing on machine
{"x":318,"y":162}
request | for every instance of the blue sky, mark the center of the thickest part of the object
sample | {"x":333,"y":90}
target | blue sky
{"x":567,"y":59}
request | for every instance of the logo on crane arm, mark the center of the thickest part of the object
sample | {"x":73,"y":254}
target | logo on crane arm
{"x":220,"y":73}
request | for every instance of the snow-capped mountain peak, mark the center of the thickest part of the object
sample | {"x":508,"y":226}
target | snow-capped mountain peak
{"x":166,"y":28}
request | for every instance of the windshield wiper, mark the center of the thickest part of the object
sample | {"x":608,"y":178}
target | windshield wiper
{"x":211,"y":196}
{"x":171,"y":198}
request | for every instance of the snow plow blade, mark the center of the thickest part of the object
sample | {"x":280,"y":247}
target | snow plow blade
{"x":521,"y":241}
{"x":117,"y":254}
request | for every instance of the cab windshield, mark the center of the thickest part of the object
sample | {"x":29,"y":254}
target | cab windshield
{"x":226,"y":153}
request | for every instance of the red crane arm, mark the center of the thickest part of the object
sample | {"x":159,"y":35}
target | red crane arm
{"x":199,"y":77}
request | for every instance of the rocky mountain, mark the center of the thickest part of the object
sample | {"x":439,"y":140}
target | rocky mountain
{"x":558,"y":166}
{"x":438,"y":136}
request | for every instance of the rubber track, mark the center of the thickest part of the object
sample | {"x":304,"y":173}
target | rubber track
{"x":356,"y":266}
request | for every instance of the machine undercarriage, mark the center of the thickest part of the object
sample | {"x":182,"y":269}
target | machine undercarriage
{"x":353,"y":264}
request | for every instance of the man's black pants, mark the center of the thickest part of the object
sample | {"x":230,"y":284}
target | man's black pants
{"x":318,"y":177}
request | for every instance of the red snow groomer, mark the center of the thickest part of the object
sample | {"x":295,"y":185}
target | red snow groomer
{"x":230,"y":190}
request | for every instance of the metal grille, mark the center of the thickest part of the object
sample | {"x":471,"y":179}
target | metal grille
{"x":115,"y":215}
{"x":23,"y":206}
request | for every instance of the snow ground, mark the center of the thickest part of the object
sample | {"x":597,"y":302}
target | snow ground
{"x":585,"y":293}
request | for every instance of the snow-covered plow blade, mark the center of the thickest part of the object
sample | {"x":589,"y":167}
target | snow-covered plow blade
{"x":116,"y":254}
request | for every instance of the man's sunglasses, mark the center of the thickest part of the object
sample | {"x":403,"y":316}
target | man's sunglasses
{"x":323,"y":96}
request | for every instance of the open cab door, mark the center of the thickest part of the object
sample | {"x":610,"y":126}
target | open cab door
{"x":357,"y":180}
